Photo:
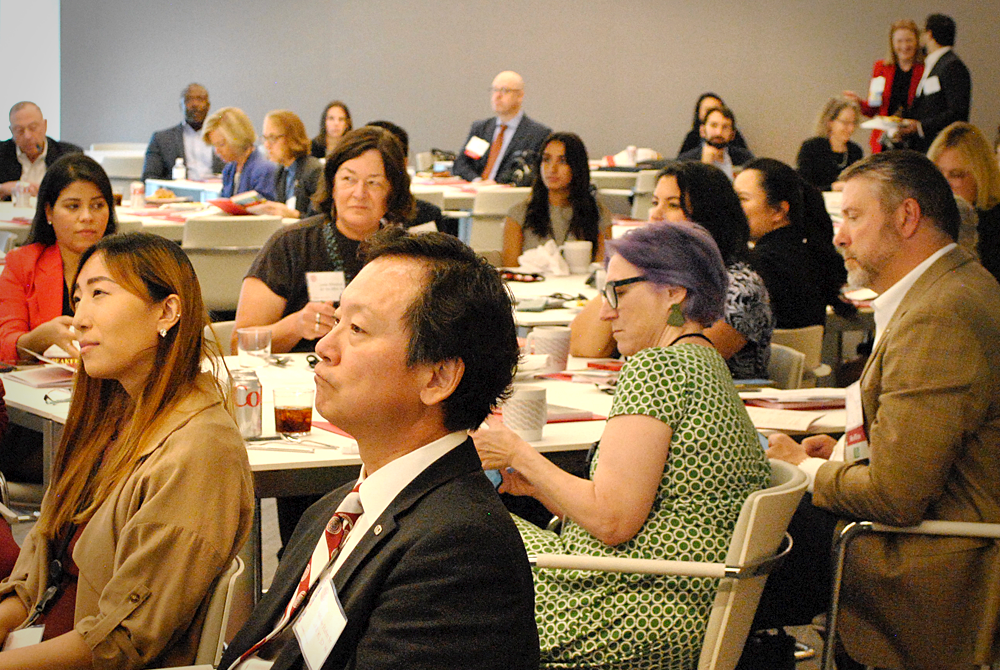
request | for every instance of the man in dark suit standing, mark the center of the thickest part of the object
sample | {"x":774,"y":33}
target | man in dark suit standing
{"x":922,"y":427}
{"x":419,"y":565}
{"x":29,"y":152}
{"x":944,"y":93}
{"x":498,"y":148}
{"x":183,"y":141}
{"x":717,"y":133}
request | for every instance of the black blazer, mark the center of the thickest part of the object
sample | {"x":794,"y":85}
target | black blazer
{"x":441,"y":580}
{"x":308,"y":172}
{"x":10,"y":168}
{"x":738,"y":155}
{"x":942,"y":108}
{"x":165,"y":147}
{"x":527,"y":142}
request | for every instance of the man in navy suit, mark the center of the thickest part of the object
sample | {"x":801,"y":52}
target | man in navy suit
{"x":944,"y":93}
{"x":433,"y":573}
{"x":717,"y":133}
{"x":183,"y":141}
{"x":499,"y":148}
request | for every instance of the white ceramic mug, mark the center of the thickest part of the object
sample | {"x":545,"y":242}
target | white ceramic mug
{"x":526,"y":411}
{"x":578,"y":255}
{"x":551,"y":340}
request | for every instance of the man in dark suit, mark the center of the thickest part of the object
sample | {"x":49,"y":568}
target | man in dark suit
{"x":29,"y":152}
{"x":717,"y":133}
{"x":432,"y":574}
{"x":944,"y":94}
{"x":500,"y":148}
{"x":924,"y":443}
{"x":183,"y":141}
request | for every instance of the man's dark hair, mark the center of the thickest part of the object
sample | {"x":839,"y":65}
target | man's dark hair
{"x":902,"y":174}
{"x":464,"y":312}
{"x":398,"y":131}
{"x":708,"y":199}
{"x":722,"y":109}
{"x":942,"y":29}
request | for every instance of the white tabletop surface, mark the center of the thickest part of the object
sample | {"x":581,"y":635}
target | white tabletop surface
{"x":571,"y":285}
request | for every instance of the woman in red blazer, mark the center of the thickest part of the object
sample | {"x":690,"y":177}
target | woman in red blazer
{"x":894,"y":80}
{"x":75,"y":210}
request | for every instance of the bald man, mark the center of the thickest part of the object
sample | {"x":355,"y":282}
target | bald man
{"x":183,"y":141}
{"x":498,"y":146}
{"x":29,"y":152}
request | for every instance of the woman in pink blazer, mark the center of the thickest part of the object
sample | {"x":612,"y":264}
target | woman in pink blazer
{"x":894,"y":80}
{"x":75,"y":210}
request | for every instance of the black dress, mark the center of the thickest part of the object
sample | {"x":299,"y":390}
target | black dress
{"x":989,"y":239}
{"x":783,"y":260}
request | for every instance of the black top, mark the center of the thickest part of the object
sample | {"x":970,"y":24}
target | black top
{"x":317,"y":148}
{"x":300,"y":248}
{"x":989,"y":239}
{"x":900,"y":91}
{"x":782,"y":259}
{"x":820,"y":166}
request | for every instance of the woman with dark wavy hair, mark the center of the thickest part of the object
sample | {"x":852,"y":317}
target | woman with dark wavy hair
{"x":562,"y":205}
{"x":333,"y":124}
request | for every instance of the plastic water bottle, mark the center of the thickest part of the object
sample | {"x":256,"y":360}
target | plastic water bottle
{"x":179,"y":171}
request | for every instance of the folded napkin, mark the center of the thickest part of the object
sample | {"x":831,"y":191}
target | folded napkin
{"x":546,"y":260}
{"x":529,"y":365}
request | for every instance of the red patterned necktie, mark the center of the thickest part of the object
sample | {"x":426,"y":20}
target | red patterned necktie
{"x":494,"y":151}
{"x":336,"y":531}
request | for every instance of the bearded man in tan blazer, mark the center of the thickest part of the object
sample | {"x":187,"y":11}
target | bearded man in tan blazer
{"x":931,"y":414}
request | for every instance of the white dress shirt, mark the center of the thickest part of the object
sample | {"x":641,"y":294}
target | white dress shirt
{"x":884,"y":307}
{"x":197,"y":154}
{"x":32,"y":172}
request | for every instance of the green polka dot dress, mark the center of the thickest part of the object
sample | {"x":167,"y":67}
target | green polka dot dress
{"x":609,"y":620}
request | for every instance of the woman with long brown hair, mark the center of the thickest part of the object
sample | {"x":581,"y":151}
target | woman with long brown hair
{"x":151,"y":494}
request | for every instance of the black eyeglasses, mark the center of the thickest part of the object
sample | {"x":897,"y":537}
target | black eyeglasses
{"x":611,"y":289}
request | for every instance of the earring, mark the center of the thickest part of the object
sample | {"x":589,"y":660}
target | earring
{"x":676,"y":316}
{"x":163,"y":332}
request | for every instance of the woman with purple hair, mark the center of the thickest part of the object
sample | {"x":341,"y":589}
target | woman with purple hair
{"x":678,"y":458}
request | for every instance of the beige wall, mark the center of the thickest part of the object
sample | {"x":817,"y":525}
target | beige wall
{"x":616,"y":72}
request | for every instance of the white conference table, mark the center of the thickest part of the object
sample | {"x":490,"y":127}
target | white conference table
{"x":16,"y":220}
{"x":571,"y":285}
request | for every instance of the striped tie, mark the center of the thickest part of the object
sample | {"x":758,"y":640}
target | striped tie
{"x":336,"y":530}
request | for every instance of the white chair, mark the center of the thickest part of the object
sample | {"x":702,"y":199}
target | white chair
{"x":227,"y":231}
{"x":785,"y":367}
{"x":119,"y":146}
{"x":642,"y":198}
{"x":808,"y":340}
{"x":618,"y":201}
{"x":434,"y":196}
{"x":423,"y":161}
{"x":855,"y":529}
{"x":8,"y":240}
{"x":228,"y":609}
{"x":489,"y":209}
{"x":220,"y":264}
{"x":221,"y":334}
{"x":760,"y":541}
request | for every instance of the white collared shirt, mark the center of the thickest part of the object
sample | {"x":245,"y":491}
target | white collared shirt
{"x":508,"y":134}
{"x":32,"y":172}
{"x":197,"y":154}
{"x":929,"y":63}
{"x":381,"y":488}
{"x":884,"y":307}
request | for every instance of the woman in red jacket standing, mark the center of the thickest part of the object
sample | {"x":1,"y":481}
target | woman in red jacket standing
{"x":894,"y":80}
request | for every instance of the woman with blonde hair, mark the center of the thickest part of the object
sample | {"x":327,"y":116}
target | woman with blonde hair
{"x":298,"y":175}
{"x":120,"y":566}
{"x":894,"y":79}
{"x":822,"y":158}
{"x":230,"y":132}
{"x":962,"y":152}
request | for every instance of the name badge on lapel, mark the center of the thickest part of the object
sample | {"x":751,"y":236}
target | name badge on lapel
{"x":319,"y":626}
{"x":476,"y":148}
{"x":856,"y":440}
